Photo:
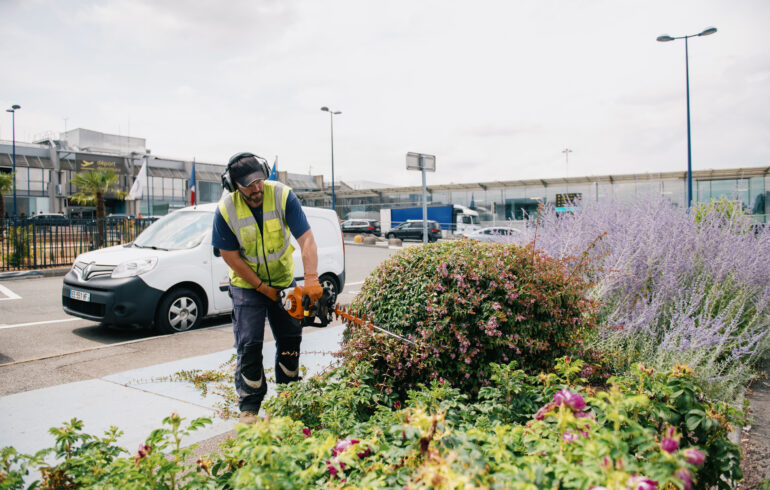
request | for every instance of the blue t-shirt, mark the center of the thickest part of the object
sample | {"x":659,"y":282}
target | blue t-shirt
{"x":223,"y":238}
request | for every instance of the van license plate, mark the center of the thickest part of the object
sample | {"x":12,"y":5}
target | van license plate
{"x":80,"y":295}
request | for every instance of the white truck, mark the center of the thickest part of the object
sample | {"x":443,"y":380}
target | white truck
{"x":171,"y":276}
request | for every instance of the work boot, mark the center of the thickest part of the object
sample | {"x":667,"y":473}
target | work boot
{"x":248,"y":417}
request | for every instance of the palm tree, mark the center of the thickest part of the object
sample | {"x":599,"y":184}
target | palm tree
{"x":92,"y":187}
{"x":6,"y":184}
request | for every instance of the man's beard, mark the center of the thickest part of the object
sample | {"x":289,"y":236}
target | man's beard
{"x":254,"y":197}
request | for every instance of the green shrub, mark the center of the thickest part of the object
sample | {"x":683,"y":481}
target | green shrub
{"x":523,"y":431}
{"x":466,"y":304}
{"x":19,"y":252}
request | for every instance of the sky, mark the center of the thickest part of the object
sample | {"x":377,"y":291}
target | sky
{"x":495,"y":89}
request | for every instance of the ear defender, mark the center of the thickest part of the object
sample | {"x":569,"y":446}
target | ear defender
{"x":227,"y":181}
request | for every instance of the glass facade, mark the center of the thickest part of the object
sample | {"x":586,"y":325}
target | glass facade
{"x":517,"y":200}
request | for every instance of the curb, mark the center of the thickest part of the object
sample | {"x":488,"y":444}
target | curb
{"x":56,"y":272}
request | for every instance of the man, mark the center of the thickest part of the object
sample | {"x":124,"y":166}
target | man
{"x":251,"y":229}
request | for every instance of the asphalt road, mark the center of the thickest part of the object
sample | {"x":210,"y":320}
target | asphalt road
{"x":41,"y":346}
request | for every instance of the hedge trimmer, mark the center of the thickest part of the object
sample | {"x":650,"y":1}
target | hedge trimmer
{"x":323,"y":311}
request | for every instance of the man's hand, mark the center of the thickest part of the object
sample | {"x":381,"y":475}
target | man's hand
{"x":272,"y":293}
{"x":312,"y":287}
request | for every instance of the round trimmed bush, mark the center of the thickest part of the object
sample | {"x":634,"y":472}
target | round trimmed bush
{"x":466,"y":304}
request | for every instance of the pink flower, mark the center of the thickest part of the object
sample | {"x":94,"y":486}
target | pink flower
{"x":684,"y":475}
{"x":669,"y":445}
{"x":540,"y":415}
{"x":569,"y":437}
{"x":142,"y":453}
{"x":397,"y":405}
{"x":343,"y":445}
{"x":306,"y":432}
{"x":694,"y":456}
{"x":637,"y":482}
{"x":572,"y":400}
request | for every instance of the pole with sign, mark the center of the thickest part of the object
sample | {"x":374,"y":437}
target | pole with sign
{"x":423,"y":163}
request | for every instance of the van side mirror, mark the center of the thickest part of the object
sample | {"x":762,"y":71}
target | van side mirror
{"x":216,"y":252}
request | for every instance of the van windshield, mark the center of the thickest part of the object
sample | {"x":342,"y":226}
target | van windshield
{"x":176,"y":231}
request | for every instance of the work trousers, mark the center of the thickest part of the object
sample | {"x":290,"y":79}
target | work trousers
{"x":250,"y":308}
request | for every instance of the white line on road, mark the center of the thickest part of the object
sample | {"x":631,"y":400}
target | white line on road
{"x":39,"y":323}
{"x":10,"y":294}
{"x":353,"y":283}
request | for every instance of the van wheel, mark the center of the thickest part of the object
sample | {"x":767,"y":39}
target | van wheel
{"x":179,"y":311}
{"x":331,"y":281}
{"x":390,"y":235}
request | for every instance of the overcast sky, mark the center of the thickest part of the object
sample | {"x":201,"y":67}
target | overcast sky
{"x":495,"y":89}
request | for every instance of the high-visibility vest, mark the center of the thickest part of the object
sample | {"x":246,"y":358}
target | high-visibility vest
{"x":269,"y":252}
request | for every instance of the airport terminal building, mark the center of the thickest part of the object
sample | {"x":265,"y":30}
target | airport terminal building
{"x":44,"y":171}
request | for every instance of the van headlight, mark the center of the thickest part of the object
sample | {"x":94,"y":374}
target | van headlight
{"x":132,"y":268}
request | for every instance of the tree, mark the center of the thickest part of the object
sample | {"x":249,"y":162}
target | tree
{"x":92,"y":187}
{"x":6,"y":184}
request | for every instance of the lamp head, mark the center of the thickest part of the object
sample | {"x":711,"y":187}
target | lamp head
{"x":665,"y":38}
{"x":325,"y":109}
{"x":708,"y":32}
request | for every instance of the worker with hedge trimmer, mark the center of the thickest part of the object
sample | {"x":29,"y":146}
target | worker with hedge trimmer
{"x":251,"y":229}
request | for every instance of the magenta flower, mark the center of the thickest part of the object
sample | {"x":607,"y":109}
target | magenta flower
{"x":572,"y":400}
{"x":684,"y":475}
{"x":669,"y":445}
{"x":694,"y":456}
{"x":306,"y":432}
{"x":637,"y":482}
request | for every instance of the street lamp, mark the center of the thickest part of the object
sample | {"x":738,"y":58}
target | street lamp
{"x":12,"y":110}
{"x":331,"y":118}
{"x":664,"y":39}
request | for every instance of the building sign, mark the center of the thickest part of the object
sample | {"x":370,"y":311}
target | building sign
{"x":99,"y":162}
{"x":565,"y":200}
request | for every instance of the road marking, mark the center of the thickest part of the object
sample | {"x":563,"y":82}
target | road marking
{"x":39,"y":323}
{"x":10,"y":294}
{"x":353,"y":283}
{"x":104,"y":346}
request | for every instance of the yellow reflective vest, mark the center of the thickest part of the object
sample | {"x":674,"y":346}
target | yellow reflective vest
{"x":269,"y":252}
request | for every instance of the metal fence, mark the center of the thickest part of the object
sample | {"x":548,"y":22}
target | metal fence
{"x":37,"y":244}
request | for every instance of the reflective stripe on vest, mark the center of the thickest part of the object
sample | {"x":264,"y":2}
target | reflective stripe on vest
{"x":269,"y":251}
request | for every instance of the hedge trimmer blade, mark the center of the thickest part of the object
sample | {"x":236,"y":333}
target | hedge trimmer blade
{"x":344,"y":313}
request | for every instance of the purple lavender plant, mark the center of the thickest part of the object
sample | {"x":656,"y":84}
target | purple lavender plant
{"x":683,"y":290}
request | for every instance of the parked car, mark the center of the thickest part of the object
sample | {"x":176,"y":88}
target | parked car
{"x":412,"y":230}
{"x":118,"y":217}
{"x":361,"y":226}
{"x":500,"y":234}
{"x":49,"y":219}
{"x":170,"y":277}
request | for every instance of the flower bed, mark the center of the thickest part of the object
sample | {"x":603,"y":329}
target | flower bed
{"x":647,"y":430}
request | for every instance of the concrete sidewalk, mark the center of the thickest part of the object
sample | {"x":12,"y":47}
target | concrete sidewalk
{"x":135,"y":401}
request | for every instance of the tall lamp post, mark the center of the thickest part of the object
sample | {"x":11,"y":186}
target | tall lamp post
{"x":13,"y":110}
{"x":331,"y":118}
{"x":664,"y":39}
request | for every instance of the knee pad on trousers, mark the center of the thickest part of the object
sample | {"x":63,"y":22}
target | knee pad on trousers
{"x":287,"y":364}
{"x":252,"y":373}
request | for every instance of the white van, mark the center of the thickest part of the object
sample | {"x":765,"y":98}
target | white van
{"x":171,"y":276}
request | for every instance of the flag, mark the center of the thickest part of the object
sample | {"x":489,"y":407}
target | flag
{"x":274,"y":171}
{"x":192,"y":184}
{"x":140,"y":182}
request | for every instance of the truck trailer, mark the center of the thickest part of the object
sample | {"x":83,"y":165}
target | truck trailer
{"x":453,"y":218}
